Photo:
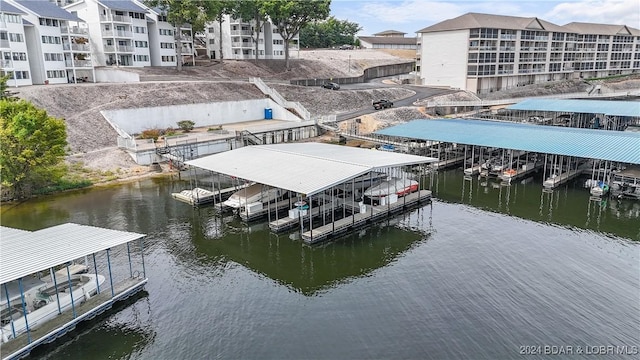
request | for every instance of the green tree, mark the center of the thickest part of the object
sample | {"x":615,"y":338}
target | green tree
{"x":328,"y":33}
{"x":215,"y":10}
{"x":32,"y":147}
{"x":5,"y":94}
{"x":289,"y":16}
{"x":180,"y":12}
{"x":252,"y":10}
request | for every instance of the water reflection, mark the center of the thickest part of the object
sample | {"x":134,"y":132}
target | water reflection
{"x":306,"y":269}
{"x":115,"y":339}
{"x":568,"y":205}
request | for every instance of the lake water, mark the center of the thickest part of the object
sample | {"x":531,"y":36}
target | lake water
{"x":484,"y":272}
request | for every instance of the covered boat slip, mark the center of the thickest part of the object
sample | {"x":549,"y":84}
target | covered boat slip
{"x":312,"y":174}
{"x":561,"y":150}
{"x":45,"y":290}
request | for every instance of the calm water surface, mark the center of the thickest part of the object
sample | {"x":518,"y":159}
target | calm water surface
{"x":481,"y":272}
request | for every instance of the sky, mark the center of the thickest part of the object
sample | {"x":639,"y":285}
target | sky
{"x":410,"y":16}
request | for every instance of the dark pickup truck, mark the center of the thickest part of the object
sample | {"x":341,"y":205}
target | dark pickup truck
{"x":382,"y":104}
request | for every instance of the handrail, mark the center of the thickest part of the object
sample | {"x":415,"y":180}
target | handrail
{"x":249,"y":135}
{"x":275,"y":96}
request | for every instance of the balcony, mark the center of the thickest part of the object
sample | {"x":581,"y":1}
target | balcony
{"x":76,"y":47}
{"x":3,"y":25}
{"x":239,"y":44}
{"x":508,"y":48}
{"x":115,"y":18}
{"x":78,"y":63}
{"x":6,"y":64}
{"x":119,"y":48}
{"x":4,"y":44}
{"x":508,"y":36}
{"x":117,"y":33}
{"x":74,"y":30}
{"x":241,"y":32}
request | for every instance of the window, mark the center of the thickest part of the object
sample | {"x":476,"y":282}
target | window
{"x":49,"y":22}
{"x":166,"y":32}
{"x":136,"y":15}
{"x":168,"y":59}
{"x":56,"y":74}
{"x":15,"y":37}
{"x":142,"y":58}
{"x":19,"y":56}
{"x":53,"y":57}
{"x":162,"y":18}
{"x":212,"y":41}
{"x":141,"y":44}
{"x":20,"y":75}
{"x":50,"y":39}
{"x":278,"y":42}
{"x":139,"y":30}
{"x":16,"y":19}
{"x":166,"y":45}
{"x":278,"y":52}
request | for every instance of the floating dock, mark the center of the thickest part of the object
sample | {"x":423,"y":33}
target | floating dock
{"x":42,"y":317}
{"x":359,"y":219}
{"x":198,"y":196}
{"x":555,"y":181}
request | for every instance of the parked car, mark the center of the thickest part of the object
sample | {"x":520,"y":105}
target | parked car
{"x":382,"y":104}
{"x":331,"y":85}
{"x":346,"y":47}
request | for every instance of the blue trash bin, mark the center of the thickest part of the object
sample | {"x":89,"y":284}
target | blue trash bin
{"x":268,"y":113}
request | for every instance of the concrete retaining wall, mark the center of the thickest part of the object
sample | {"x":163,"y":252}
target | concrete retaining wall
{"x":369,"y":73}
{"x":134,"y":121}
{"x":110,"y":75}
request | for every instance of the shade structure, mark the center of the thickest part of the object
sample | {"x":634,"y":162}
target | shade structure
{"x":606,"y":107}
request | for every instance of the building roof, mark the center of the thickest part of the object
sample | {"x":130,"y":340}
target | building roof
{"x":124,"y":5}
{"x":47,"y":9}
{"x":24,"y":253}
{"x":306,"y":168}
{"x":601,"y":29}
{"x":389,"y":32}
{"x":476,"y":20}
{"x":618,"y":146}
{"x":606,"y":107}
{"x":388,"y":40}
{"x":5,"y":7}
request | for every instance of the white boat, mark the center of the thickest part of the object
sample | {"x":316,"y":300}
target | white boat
{"x":256,"y":193}
{"x":396,"y":186}
{"x":363,"y":182}
{"x":41,"y":301}
{"x":599,"y":189}
{"x":195,"y":196}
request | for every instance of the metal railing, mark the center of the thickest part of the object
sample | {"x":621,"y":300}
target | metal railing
{"x":115,"y":18}
{"x":275,"y":96}
{"x":78,"y":63}
{"x":117,"y":33}
{"x":76,"y":47}
{"x":6,"y":64}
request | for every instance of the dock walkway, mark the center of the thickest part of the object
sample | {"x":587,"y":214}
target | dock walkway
{"x":359,"y":219}
{"x":65,"y":322}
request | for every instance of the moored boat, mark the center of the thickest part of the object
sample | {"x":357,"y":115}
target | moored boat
{"x":395,"y":186}
{"x":42,"y":299}
{"x":252,"y":194}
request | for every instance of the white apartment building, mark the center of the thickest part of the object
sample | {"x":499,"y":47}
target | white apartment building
{"x":484,"y":53}
{"x":14,"y":57}
{"x":57,"y":43}
{"x":162,"y":41}
{"x":238,"y":40}
{"x":118,"y":31}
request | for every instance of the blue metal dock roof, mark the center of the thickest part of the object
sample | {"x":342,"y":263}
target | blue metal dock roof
{"x":607,"y":107}
{"x":586,"y":143}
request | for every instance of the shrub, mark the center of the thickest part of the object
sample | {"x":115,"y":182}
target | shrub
{"x":186,"y":125}
{"x":150,"y":134}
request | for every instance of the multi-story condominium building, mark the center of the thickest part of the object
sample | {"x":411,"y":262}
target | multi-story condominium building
{"x":118,"y":31}
{"x":484,"y":53}
{"x":163,"y":37}
{"x":57,"y":43}
{"x":238,"y":40}
{"x":14,"y":58}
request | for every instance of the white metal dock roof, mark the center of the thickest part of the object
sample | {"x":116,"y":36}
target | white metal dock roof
{"x":24,"y":252}
{"x":306,"y":168}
